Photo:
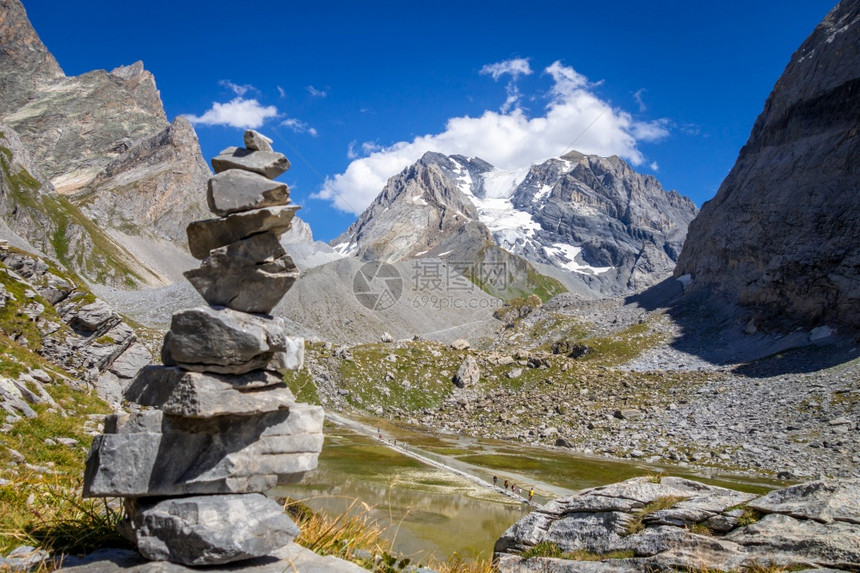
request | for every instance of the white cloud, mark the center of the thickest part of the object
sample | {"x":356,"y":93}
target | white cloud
{"x":367,"y":148}
{"x":238,"y":112}
{"x":299,"y":126}
{"x":239,"y":90}
{"x":574,"y":118}
{"x":281,"y":91}
{"x":654,"y":166}
{"x":637,"y":96}
{"x":691,"y":129}
{"x":516,"y":67}
{"x":315,"y":92}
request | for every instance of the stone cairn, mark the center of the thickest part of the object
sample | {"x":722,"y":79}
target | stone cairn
{"x":219,"y":427}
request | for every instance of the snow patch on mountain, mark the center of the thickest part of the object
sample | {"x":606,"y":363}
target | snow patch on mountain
{"x":564,"y":256}
{"x":513,"y":229}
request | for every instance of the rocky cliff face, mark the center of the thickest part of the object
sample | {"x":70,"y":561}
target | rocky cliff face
{"x":606,"y":228}
{"x":781,"y":235}
{"x":597,"y":216}
{"x":38,"y":219}
{"x":103,"y":142}
{"x":28,"y":65}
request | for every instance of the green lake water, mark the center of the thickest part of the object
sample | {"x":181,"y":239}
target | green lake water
{"x":430,"y":511}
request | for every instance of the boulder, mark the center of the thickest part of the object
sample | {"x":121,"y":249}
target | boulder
{"x":236,"y":191}
{"x":598,"y":521}
{"x":266,"y":163}
{"x":251,"y":275}
{"x":92,"y":316}
{"x":256,"y":141}
{"x":460,"y":344}
{"x":825,"y":500}
{"x":228,"y":341}
{"x":196,"y":395}
{"x":152,"y":453}
{"x":203,"y":236}
{"x":468,"y":373}
{"x":208,"y":530}
{"x":835,"y":545}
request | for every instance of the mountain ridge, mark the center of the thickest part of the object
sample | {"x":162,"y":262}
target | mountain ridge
{"x":614,"y":230}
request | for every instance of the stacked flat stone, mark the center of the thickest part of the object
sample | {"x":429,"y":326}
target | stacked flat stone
{"x":220,"y":427}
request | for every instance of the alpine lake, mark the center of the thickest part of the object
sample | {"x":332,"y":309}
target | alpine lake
{"x":428,"y":510}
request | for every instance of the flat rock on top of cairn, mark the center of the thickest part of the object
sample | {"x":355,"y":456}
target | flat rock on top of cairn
{"x":251,"y":275}
{"x":236,"y":191}
{"x":257,"y":141}
{"x":208,"y":234}
{"x":267,"y":163}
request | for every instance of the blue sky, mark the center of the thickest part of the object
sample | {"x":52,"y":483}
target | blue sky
{"x":352,"y":91}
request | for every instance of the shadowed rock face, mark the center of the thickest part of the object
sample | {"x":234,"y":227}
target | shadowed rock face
{"x":783,"y":231}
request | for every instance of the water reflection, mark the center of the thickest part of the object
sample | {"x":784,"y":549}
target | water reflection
{"x":427,"y":511}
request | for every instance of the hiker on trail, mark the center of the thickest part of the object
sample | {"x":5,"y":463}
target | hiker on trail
{"x":531,"y":494}
{"x":506,"y":485}
{"x":495,"y":480}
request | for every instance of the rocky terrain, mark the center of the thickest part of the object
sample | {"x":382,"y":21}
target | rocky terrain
{"x":671,"y":524}
{"x":46,"y":311}
{"x":102,"y":150}
{"x":763,"y":378}
{"x":780,"y":237}
{"x":614,"y":386}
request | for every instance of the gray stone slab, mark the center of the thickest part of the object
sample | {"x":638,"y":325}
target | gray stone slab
{"x":292,"y":359}
{"x":256,"y":141}
{"x":835,"y":544}
{"x":151,"y":453}
{"x":237,"y":342}
{"x":267,"y":163}
{"x":209,"y":529}
{"x":208,"y":234}
{"x":251,"y":275}
{"x":237,"y":191}
{"x":291,"y":558}
{"x":197,"y":395}
{"x":822,"y":500}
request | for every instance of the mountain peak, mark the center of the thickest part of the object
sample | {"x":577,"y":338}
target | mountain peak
{"x":588,"y":216}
